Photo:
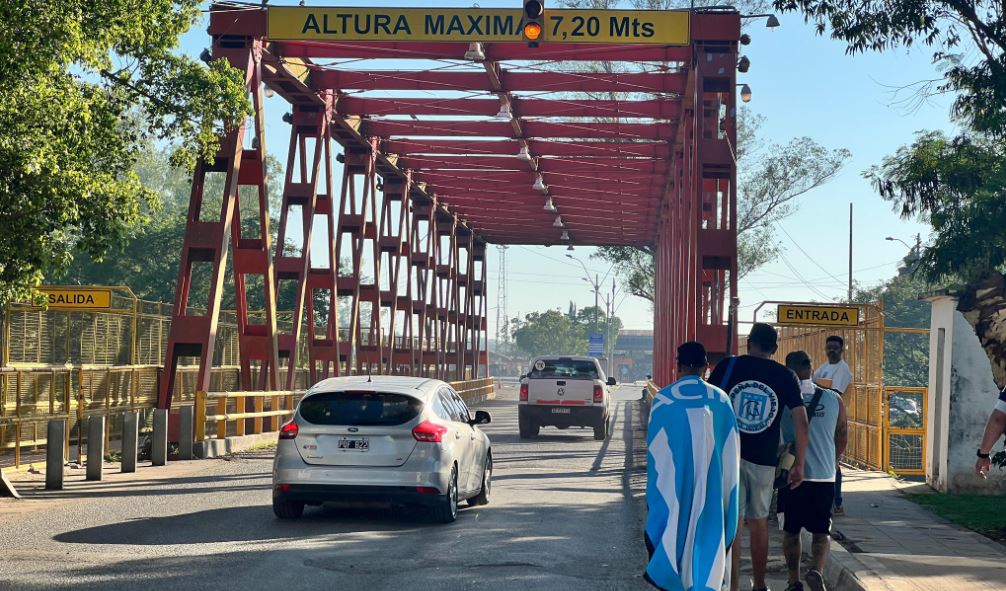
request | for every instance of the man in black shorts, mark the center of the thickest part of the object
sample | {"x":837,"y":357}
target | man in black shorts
{"x":809,"y":506}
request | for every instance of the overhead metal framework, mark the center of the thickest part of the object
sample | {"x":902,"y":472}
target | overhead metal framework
{"x":447,"y":147}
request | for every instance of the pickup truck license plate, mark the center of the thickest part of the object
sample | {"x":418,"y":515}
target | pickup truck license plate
{"x":560,"y":411}
{"x":360,"y":444}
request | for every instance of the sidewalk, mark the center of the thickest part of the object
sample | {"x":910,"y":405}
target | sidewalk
{"x":894,"y":544}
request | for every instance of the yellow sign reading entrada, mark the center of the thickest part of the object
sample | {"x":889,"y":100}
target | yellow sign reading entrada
{"x":296,"y":23}
{"x":77,"y":299}
{"x":828,"y":315}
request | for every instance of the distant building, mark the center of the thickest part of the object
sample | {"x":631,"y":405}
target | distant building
{"x":633,"y":355}
{"x":502,"y":365}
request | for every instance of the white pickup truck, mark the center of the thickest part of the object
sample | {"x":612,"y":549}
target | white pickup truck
{"x":564,"y":392}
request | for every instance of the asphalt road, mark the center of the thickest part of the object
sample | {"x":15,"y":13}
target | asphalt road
{"x":562,"y":516}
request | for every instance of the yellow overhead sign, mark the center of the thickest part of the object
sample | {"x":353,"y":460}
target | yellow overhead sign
{"x":301,"y":23}
{"x":661,"y":27}
{"x":828,"y":315}
{"x":83,"y":298}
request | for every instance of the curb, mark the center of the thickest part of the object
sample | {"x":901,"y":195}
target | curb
{"x":842,"y":571}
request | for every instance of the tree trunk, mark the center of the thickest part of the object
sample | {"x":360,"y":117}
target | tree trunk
{"x":983,"y":304}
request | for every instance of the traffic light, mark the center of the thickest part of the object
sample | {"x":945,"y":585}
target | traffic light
{"x":534,"y":22}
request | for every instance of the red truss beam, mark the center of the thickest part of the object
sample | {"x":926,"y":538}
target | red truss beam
{"x":523,"y":107}
{"x":538,"y":147}
{"x":494,"y":51}
{"x":386,"y":128}
{"x":557,"y":81}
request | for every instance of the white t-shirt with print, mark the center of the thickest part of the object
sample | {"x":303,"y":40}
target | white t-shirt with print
{"x":839,"y":374}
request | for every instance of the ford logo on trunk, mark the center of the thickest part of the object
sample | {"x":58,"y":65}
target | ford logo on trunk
{"x":353,"y":429}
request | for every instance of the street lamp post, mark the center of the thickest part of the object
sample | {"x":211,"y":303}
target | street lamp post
{"x":595,"y":284}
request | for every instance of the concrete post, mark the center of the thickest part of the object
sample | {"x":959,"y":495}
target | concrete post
{"x":54,"y":458}
{"x":159,"y":443}
{"x":95,"y":447}
{"x":130,"y":440}
{"x":185,"y":433}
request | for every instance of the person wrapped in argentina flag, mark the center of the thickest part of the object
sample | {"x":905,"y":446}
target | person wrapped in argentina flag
{"x":693,"y":455}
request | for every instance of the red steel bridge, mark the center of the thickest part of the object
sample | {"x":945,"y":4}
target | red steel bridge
{"x":449,"y":140}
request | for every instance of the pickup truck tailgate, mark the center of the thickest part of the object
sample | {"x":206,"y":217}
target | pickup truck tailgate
{"x":560,"y":391}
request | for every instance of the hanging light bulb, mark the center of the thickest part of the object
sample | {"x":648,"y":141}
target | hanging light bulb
{"x":570,"y":247}
{"x":558,"y":222}
{"x":565,"y":236}
{"x":539,"y":185}
{"x":475,"y":52}
{"x":504,"y":112}
{"x":524,"y":154}
{"x":269,"y":93}
{"x":549,"y":206}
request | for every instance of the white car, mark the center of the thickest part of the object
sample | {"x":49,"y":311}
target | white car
{"x":403,"y":440}
{"x":564,"y":392}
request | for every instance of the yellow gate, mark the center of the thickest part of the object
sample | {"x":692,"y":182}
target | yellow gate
{"x":886,"y":423}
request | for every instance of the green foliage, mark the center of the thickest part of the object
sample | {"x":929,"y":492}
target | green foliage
{"x":968,"y":39}
{"x":553,"y":333}
{"x":906,"y":356}
{"x":71,"y":74}
{"x":957,"y":185}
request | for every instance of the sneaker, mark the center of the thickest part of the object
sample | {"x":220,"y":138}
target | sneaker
{"x":815,"y":580}
{"x":797,"y":586}
{"x":838,"y":511}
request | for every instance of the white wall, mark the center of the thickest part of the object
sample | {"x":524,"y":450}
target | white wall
{"x":961,"y":395}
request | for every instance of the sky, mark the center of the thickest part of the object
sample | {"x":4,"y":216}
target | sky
{"x":804,"y":85}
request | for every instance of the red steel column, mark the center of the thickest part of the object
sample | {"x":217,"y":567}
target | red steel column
{"x":193,"y":334}
{"x":355,"y":224}
{"x":392,"y":247}
{"x":323,"y":347}
{"x":308,"y":140}
{"x":423,"y":243}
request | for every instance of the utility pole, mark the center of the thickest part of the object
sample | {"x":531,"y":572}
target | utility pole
{"x":850,"y":253}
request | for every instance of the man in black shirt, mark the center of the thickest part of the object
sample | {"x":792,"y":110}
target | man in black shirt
{"x":758,"y":389}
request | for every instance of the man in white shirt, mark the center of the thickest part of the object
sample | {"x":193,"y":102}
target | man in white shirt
{"x":835,"y":375}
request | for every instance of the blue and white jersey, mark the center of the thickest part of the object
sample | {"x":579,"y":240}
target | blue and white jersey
{"x":693,"y":468}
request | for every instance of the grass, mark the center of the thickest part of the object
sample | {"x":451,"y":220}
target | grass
{"x":985,"y":514}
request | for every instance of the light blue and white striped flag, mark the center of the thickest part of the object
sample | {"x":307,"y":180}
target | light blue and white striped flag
{"x":693,"y":468}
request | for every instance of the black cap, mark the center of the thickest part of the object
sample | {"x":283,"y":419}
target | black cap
{"x":692,"y":354}
{"x":764,"y":335}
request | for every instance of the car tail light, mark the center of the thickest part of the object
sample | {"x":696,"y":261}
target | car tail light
{"x":429,"y":432}
{"x":289,"y":431}
{"x":427,"y":490}
{"x":284,"y":487}
{"x":523,"y":392}
{"x":598,"y":394}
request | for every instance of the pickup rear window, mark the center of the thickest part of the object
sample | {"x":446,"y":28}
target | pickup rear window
{"x":565,"y":368}
{"x":359,"y":408}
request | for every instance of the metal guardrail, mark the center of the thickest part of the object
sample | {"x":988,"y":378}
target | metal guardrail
{"x":252,"y":413}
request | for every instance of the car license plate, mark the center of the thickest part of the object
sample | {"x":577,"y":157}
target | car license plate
{"x":361,"y":444}
{"x":560,"y":411}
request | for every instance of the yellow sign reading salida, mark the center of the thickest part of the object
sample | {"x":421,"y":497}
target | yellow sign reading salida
{"x":77,"y":299}
{"x":296,"y":23}
{"x":827,"y":315}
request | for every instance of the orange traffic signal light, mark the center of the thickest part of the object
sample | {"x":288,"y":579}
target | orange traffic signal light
{"x":534,"y":21}
{"x":532,"y":31}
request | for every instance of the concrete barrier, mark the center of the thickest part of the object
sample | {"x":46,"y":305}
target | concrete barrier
{"x":54,"y":458}
{"x":130,"y":440}
{"x":185,"y":434}
{"x":159,"y":441}
{"x":95,"y":447}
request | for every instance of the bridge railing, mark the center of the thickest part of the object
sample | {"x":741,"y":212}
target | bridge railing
{"x":226,"y":414}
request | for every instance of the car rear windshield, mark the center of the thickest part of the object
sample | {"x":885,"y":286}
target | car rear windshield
{"x":564,"y":368}
{"x":359,"y":408}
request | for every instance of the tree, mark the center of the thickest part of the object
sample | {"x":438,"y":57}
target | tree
{"x":549,"y":333}
{"x":956,"y":184}
{"x":906,"y":356}
{"x":770,"y":180}
{"x":71,"y":75}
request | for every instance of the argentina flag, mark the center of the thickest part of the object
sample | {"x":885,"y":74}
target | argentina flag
{"x":693,"y":466}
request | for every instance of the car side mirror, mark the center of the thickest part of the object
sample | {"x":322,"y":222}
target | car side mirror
{"x":523,"y":375}
{"x":482,"y":418}
{"x":611,"y":381}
